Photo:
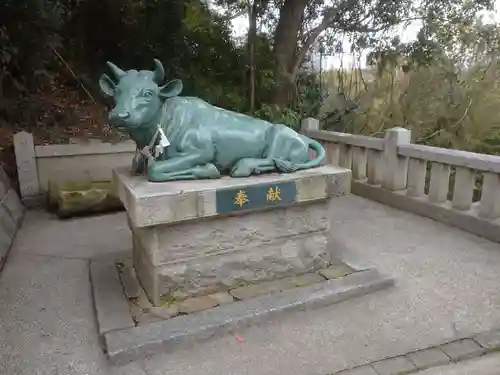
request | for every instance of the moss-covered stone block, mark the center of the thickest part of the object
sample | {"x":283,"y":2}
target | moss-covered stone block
{"x":73,"y":198}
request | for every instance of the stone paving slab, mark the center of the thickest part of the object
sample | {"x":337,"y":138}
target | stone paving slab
{"x":82,"y":238}
{"x":266,"y":287}
{"x":360,"y":370}
{"x":335,"y":271}
{"x":488,"y":340}
{"x":194,"y":304}
{"x":394,"y":366}
{"x":221,"y":298}
{"x":462,"y":349}
{"x":131,"y":285}
{"x":130,"y":344}
{"x":110,"y":304}
{"x":262,"y":288}
{"x":431,"y":357}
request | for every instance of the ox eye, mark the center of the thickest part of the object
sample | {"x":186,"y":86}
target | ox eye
{"x":148,"y":94}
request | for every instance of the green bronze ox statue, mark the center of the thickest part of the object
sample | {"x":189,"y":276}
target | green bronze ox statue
{"x":185,"y":138}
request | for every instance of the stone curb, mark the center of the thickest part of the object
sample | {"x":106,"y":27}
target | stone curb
{"x":449,"y":352}
{"x":130,"y":344}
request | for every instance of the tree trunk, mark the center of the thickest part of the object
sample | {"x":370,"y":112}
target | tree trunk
{"x":285,"y":48}
{"x":252,"y":32}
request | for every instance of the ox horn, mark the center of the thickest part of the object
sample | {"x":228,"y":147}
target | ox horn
{"x":159,"y":73}
{"x":117,"y":72}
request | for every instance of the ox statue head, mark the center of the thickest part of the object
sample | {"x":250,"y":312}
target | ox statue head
{"x":138,"y":95}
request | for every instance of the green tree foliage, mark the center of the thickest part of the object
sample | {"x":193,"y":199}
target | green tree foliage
{"x":28,"y":29}
{"x":192,"y":45}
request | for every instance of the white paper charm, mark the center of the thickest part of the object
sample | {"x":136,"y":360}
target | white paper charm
{"x":160,"y":148}
{"x":163,"y":138}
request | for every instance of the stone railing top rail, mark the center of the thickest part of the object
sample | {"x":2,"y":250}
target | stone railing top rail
{"x":456,"y":158}
{"x":87,"y":148}
{"x":472,"y":160}
{"x":345,"y":138}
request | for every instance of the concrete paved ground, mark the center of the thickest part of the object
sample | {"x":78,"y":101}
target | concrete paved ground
{"x":448,"y":285}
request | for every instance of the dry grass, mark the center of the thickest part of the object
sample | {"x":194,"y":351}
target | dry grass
{"x":441,"y":106}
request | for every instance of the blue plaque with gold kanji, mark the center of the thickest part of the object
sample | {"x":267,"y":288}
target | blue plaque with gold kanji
{"x":255,"y":196}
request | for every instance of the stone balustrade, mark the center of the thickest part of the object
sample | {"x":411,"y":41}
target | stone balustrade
{"x":430,"y":181}
{"x":91,"y":160}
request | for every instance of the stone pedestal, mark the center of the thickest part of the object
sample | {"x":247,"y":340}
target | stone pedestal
{"x":193,"y":238}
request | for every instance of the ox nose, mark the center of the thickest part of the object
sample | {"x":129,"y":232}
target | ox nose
{"x":119,"y":117}
{"x":123,"y":115}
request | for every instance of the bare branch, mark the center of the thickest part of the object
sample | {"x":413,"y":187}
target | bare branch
{"x":311,"y":38}
{"x":227,"y":17}
{"x":72,"y":73}
{"x":330,"y":20}
{"x":231,"y":17}
{"x":426,"y":138}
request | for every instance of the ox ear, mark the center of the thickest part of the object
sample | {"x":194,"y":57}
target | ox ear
{"x":107,"y":85}
{"x":172,"y":88}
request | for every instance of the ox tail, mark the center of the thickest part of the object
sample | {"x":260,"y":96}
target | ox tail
{"x":286,"y":166}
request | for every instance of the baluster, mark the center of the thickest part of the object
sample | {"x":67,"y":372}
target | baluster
{"x":374,"y":167}
{"x":439,"y":185}
{"x":463,"y":188}
{"x":360,"y":156}
{"x":416,"y":178}
{"x":332,"y":153}
{"x":489,"y":207}
{"x":345,"y":156}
